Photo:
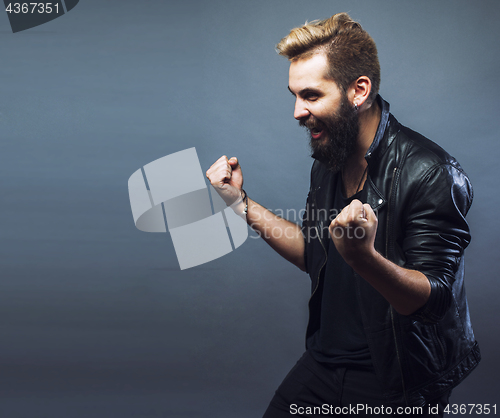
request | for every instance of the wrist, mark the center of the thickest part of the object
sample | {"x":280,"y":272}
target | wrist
{"x":364,"y":259}
{"x":240,"y":206}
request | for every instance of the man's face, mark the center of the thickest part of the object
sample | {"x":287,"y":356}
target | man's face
{"x":325,"y":110}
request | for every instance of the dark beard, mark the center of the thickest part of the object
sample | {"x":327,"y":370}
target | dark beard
{"x":341,"y":130}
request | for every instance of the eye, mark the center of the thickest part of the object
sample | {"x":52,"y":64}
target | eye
{"x":311,"y":97}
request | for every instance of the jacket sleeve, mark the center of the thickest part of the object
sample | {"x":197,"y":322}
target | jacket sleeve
{"x":436,"y":234}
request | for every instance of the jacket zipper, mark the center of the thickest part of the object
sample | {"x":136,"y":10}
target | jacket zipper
{"x":323,"y":265}
{"x":398,"y":355}
{"x":322,"y":246}
{"x":389,"y":212}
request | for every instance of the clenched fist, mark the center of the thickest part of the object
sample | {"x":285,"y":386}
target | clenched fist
{"x":353,"y":231}
{"x":226,"y":177}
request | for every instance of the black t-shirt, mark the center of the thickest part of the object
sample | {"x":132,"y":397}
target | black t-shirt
{"x":340,"y":338}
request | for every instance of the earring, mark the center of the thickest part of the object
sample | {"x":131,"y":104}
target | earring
{"x":355,"y":106}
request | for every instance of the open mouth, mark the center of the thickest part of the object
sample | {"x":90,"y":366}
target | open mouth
{"x":315,"y":127}
{"x":316,"y":133}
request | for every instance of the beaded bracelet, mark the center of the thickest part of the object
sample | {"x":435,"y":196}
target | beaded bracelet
{"x":245,"y":199}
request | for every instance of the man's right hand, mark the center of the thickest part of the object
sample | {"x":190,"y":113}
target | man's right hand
{"x":226,"y":177}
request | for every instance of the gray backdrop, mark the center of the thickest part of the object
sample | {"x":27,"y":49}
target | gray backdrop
{"x":97,"y":320}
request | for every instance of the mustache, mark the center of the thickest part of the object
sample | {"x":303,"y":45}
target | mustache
{"x":311,"y":123}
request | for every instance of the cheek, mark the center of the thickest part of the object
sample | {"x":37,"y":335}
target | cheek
{"x":322,"y":110}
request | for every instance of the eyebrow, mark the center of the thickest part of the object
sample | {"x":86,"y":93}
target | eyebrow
{"x":304,"y":91}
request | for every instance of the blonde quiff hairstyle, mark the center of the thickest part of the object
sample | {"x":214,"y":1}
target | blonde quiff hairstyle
{"x":350,"y":50}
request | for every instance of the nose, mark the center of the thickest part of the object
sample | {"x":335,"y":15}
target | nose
{"x":300,"y":110}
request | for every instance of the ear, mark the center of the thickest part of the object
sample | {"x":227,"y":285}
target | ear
{"x":359,"y":91}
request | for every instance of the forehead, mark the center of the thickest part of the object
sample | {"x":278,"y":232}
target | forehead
{"x":310,"y":73}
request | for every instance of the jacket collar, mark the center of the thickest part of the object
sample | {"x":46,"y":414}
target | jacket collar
{"x":386,"y":133}
{"x":379,"y":135}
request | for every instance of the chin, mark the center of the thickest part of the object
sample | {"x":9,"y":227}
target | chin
{"x":318,"y":143}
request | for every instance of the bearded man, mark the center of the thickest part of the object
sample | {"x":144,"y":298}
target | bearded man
{"x":382,"y":238}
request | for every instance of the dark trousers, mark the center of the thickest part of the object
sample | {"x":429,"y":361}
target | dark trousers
{"x":313,"y":389}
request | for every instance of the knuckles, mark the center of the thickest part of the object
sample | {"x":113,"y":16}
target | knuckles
{"x":220,"y":170}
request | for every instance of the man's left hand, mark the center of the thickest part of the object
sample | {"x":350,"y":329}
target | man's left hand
{"x":353,"y":231}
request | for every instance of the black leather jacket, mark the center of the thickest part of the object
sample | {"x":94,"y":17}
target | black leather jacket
{"x":421,"y":196}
